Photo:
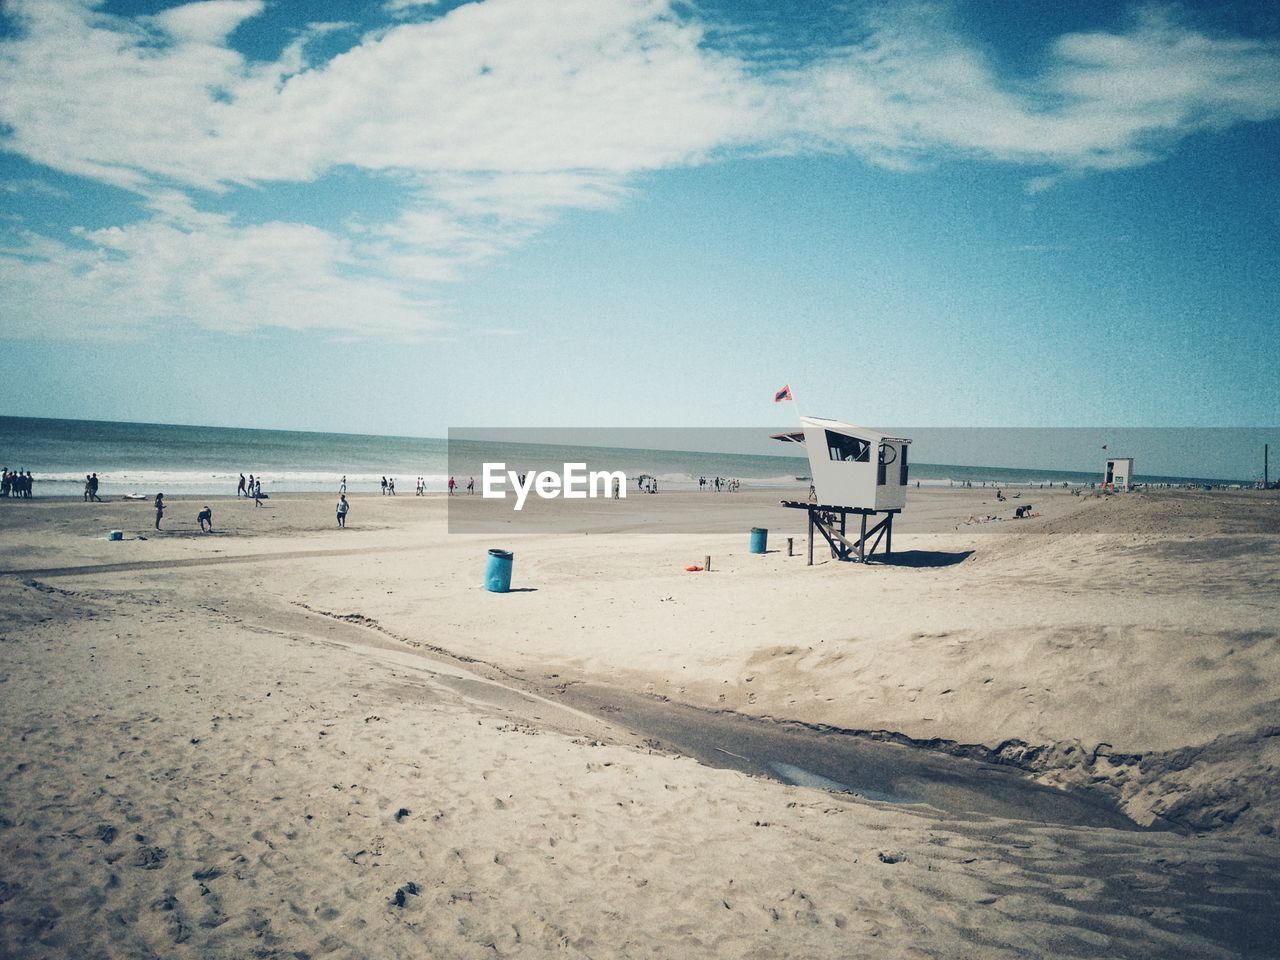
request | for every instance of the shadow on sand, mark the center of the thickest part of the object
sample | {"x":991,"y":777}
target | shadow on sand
{"x":923,"y":558}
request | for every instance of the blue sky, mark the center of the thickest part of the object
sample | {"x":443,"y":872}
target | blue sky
{"x":403,"y":217}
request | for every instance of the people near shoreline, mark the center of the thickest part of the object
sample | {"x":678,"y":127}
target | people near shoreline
{"x":343,"y":507}
{"x":391,"y":487}
{"x":249,"y":489}
{"x":384,"y":486}
{"x":17,"y":484}
{"x":342,"y":487}
{"x":159,"y":509}
{"x":88,"y":488}
{"x":241,"y":490}
{"x":205,"y":519}
{"x":257,"y":492}
{"x":93,"y":488}
{"x":471,"y":486}
{"x":451,"y":486}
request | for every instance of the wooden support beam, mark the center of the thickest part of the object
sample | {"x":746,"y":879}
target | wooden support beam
{"x":879,"y":529}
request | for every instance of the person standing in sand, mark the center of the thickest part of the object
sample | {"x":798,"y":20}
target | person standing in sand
{"x":159,"y":508}
{"x":342,"y":487}
{"x":471,"y":486}
{"x":451,"y":485}
{"x":240,"y":490}
{"x":257,"y":492}
{"x":343,"y":506}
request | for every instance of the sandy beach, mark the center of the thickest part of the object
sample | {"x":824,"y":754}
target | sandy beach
{"x":285,"y":739}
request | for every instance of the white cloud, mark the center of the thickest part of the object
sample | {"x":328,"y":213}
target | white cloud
{"x":206,"y":22}
{"x":203,"y":272}
{"x":502,"y":113}
{"x":1106,"y":101}
{"x":398,"y":5}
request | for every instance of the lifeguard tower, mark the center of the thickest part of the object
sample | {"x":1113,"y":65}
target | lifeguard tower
{"x":1119,"y":474}
{"x":855,"y":470}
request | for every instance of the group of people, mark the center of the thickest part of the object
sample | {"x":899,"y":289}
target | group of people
{"x":253,"y":488}
{"x":204,"y":518}
{"x":719,"y":484}
{"x":15,"y":483}
{"x":91,"y":489}
{"x":454,"y":485}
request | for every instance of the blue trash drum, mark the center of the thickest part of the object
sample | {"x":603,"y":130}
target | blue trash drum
{"x":497,"y":573}
{"x":759,"y":539}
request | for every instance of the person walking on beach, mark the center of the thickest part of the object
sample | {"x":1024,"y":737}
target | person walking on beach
{"x":451,"y":485}
{"x":249,"y":491}
{"x":384,"y":486}
{"x":93,"y":489}
{"x":87,"y":487}
{"x":391,"y":486}
{"x":257,"y":492}
{"x":343,"y":507}
{"x":159,"y":508}
{"x":240,"y":490}
{"x":342,"y":487}
{"x":205,"y":519}
{"x":471,"y":486}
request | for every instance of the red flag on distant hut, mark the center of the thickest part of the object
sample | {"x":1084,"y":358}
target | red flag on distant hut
{"x":783,"y":394}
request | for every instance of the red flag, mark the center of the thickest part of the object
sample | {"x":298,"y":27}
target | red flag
{"x":783,"y":394}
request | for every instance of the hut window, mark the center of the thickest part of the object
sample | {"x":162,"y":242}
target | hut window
{"x":902,"y":470}
{"x":842,"y":447}
{"x":887,"y":455}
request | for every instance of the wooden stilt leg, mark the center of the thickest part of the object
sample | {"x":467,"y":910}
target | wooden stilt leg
{"x":862,"y":541}
{"x":811,"y":538}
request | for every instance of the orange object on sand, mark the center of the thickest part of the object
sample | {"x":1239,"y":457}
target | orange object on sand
{"x":693,"y":568}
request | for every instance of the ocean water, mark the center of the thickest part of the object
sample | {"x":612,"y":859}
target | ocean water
{"x":145,"y":458}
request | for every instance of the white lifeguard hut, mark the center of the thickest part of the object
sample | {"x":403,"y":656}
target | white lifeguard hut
{"x":1119,"y":474}
{"x":854,"y":470}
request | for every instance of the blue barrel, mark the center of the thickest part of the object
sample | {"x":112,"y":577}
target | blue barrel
{"x":759,"y":539}
{"x":497,"y":574}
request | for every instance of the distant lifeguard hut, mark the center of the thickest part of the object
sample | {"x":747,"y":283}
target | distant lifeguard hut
{"x":854,"y":470}
{"x":1119,"y":474}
